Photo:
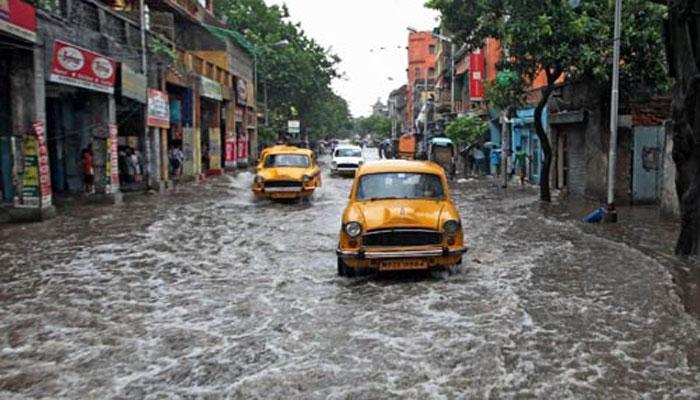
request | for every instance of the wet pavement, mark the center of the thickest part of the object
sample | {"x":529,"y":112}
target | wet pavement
{"x":205,"y":293}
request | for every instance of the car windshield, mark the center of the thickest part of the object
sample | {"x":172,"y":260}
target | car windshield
{"x":287,"y":160}
{"x":400,"y":185}
{"x":348,"y":153}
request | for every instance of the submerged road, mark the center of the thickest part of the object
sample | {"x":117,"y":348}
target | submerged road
{"x":205,"y":293}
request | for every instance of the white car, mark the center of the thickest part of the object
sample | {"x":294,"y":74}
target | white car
{"x":346,"y":159}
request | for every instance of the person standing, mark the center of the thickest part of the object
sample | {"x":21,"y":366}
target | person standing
{"x":495,"y":161}
{"x":88,"y":170}
{"x":521,"y":163}
{"x":176,"y":159}
{"x":479,"y":160}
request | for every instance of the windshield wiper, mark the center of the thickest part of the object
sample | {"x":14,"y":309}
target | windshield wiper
{"x":386,"y":198}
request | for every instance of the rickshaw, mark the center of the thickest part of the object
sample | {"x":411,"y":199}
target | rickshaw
{"x":443,"y":152}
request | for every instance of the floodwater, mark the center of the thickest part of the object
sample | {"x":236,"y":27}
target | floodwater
{"x":205,"y":293}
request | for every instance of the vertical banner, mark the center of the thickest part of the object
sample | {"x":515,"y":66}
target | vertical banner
{"x":214,"y":149}
{"x":230,"y":155}
{"x":188,"y":151}
{"x":476,"y":75}
{"x":43,"y":164}
{"x":113,"y":158}
{"x":30,"y":179}
{"x":242,"y":146}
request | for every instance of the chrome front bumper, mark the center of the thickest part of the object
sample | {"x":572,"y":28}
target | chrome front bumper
{"x":380,"y":255}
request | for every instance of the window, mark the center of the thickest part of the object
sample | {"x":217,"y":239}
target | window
{"x":399,"y":185}
{"x":431,"y":72}
{"x":348,"y":153}
{"x":416,"y":73}
{"x":286,"y":160}
{"x":431,"y":49}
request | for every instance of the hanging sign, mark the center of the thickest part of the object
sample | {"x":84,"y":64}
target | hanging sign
{"x":133,"y":85}
{"x":230,"y":152}
{"x":30,"y":179}
{"x":18,"y":19}
{"x":476,"y":75}
{"x":293,"y":127}
{"x":210,"y":89}
{"x":158,"y":109}
{"x":242,"y":147}
{"x":76,"y":66}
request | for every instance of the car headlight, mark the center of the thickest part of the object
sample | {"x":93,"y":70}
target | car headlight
{"x":259,"y":179}
{"x":451,"y":227}
{"x":353,"y":229}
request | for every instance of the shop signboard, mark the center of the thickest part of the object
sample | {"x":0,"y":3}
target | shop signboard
{"x":158,"y":109}
{"x":30,"y":180}
{"x":241,"y":91}
{"x":75,"y":66}
{"x":239,"y":114}
{"x":214,"y":148}
{"x":113,"y":157}
{"x":230,"y":152}
{"x":293,"y":127}
{"x":18,"y":19}
{"x":44,"y":171}
{"x":476,"y":75}
{"x":210,"y":89}
{"x":134,"y":85}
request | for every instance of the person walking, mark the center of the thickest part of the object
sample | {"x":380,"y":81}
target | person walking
{"x":495,"y":158}
{"x":479,"y":161}
{"x":176,"y":159}
{"x":88,"y":170}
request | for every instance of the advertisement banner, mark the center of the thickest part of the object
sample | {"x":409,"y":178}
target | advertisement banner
{"x":230,"y":153}
{"x":241,"y":91}
{"x":76,"y":66}
{"x":158,"y":109}
{"x":43,"y":163}
{"x":113,"y":157}
{"x":133,"y":85}
{"x":242,"y":148}
{"x":210,"y":89}
{"x":476,"y":75}
{"x":31,"y":195}
{"x":214,"y":148}
{"x":18,"y":19}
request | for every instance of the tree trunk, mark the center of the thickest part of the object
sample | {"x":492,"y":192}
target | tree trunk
{"x":545,"y":194}
{"x":684,"y":30}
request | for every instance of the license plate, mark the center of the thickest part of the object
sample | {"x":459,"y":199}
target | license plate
{"x":402,"y":265}
{"x":283,"y":190}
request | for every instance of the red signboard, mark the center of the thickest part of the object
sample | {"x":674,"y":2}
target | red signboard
{"x":230,"y":153}
{"x":476,"y":75}
{"x":76,"y":66}
{"x":18,"y":18}
{"x":44,"y":172}
{"x":158,"y":109}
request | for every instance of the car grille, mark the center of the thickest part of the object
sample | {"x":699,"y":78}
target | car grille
{"x":282,"y":184}
{"x":399,"y":238}
{"x":347,"y":165}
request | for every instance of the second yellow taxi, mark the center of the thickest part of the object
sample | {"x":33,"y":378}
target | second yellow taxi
{"x":286,"y":172}
{"x":400,"y":217}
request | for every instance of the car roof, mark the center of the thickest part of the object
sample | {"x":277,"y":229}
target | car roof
{"x":376,"y":167}
{"x":348,"y":146}
{"x":286,"y":149}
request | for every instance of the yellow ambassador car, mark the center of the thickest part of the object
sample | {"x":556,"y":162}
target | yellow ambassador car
{"x":286,"y":172}
{"x":400,"y":217}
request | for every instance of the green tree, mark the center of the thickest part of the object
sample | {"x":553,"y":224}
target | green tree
{"x":377,"y":125}
{"x":297,"y":76}
{"x":549,"y":37}
{"x":467,"y":130}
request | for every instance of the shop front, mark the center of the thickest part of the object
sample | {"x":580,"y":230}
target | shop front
{"x":180,"y":139}
{"x":80,"y":121}
{"x":242,"y":121}
{"x":131,"y":144}
{"x":210,"y":125}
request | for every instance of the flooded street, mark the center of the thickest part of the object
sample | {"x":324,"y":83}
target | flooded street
{"x":205,"y":293}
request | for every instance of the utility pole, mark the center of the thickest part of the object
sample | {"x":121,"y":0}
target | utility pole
{"x":454,"y":78}
{"x":614,"y":104}
{"x":505,"y":135}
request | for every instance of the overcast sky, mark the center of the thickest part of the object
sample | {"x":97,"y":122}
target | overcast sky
{"x":351,"y":29}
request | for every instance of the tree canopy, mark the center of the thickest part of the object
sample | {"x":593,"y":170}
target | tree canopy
{"x":297,"y":76}
{"x":467,"y":130}
{"x":377,"y":125}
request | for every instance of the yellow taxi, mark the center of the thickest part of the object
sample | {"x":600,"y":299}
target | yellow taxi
{"x":286,"y":172}
{"x":400,"y":217}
